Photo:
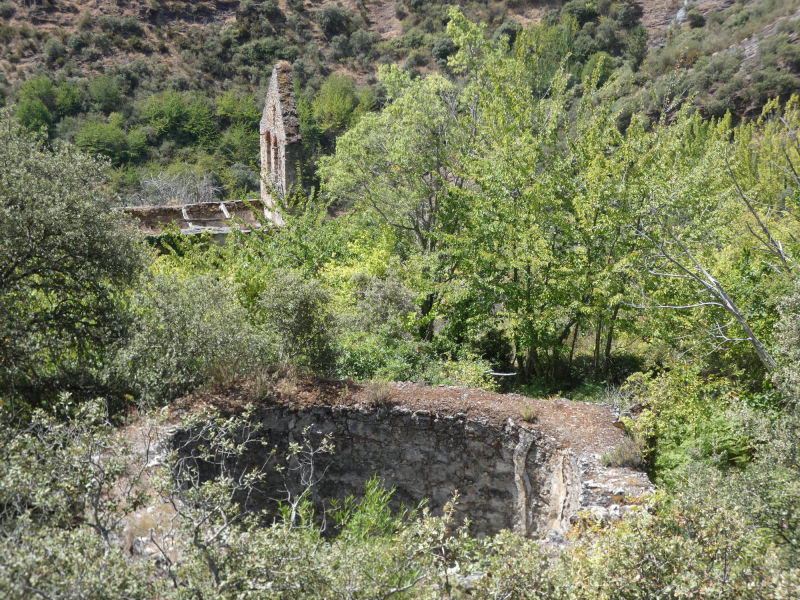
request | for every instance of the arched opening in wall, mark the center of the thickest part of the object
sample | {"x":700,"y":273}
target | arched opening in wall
{"x":275,"y":170}
{"x":268,"y":157}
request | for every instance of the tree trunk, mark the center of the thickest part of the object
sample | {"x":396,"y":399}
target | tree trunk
{"x":572,"y":348}
{"x":598,"y":336}
{"x":610,"y":338}
{"x":764,"y":356}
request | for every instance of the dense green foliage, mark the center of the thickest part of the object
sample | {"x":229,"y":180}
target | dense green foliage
{"x":67,"y":265}
{"x":58,"y":526}
{"x":151,"y":118}
{"x":503,"y":215}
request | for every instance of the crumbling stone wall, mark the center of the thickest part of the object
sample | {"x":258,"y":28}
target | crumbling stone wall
{"x":279,"y":131}
{"x":509,"y":476}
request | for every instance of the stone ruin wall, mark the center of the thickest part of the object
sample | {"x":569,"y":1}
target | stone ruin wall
{"x":508,"y":476}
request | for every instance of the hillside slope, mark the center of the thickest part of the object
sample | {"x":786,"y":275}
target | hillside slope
{"x":92,"y":36}
{"x":173,"y":87}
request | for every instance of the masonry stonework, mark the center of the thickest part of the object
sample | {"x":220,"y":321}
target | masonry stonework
{"x":509,"y":475}
{"x":279,"y":131}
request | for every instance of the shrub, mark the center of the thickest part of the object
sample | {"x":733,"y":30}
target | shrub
{"x":599,"y":65}
{"x":335,"y":103}
{"x":787,"y":376}
{"x":187,"y":332}
{"x":443,"y":48}
{"x":240,"y":144}
{"x":105,"y":93}
{"x":414,"y":59}
{"x":68,"y":99}
{"x":381,"y":302}
{"x":53,"y":50}
{"x":295,"y":312}
{"x":333,"y":20}
{"x":695,"y":18}
{"x":201,"y":124}
{"x":243,"y":178}
{"x":340,"y":47}
{"x":666,"y":547}
{"x":528,"y":413}
{"x":59,"y":302}
{"x":238,"y":109}
{"x":582,"y":10}
{"x":362,"y":42}
{"x":635,"y":46}
{"x":378,"y":393}
{"x":166,"y":112}
{"x":626,"y":13}
{"x":7,"y":9}
{"x":468,"y":371}
{"x":688,"y":419}
{"x":128,"y":26}
{"x":40,"y":88}
{"x":627,"y":454}
{"x":384,"y":354}
{"x":507,"y":29}
{"x":34,"y":115}
{"x":137,"y":143}
{"x":105,"y":139}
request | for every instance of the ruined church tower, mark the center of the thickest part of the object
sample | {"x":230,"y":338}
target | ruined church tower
{"x":280,"y":135}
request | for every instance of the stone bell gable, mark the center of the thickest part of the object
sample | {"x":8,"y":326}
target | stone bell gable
{"x":280,"y":136}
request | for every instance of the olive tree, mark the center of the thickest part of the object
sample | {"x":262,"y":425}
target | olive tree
{"x":65,"y":259}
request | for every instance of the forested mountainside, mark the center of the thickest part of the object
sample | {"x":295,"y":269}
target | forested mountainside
{"x":171,"y":91}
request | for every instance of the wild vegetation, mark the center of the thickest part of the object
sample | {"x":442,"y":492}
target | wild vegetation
{"x":514,"y":212}
{"x":171,"y":91}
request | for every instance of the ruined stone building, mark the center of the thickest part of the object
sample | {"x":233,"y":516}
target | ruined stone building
{"x":279,"y":131}
{"x":280,"y":136}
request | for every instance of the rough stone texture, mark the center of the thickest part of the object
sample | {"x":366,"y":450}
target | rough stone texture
{"x":279,"y":131}
{"x":508,"y":475}
{"x":215,"y":217}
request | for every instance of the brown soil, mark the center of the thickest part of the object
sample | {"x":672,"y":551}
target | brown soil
{"x":580,"y":426}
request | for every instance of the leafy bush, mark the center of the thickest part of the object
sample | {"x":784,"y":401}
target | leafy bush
{"x":68,"y":259}
{"x":340,"y":47}
{"x":362,"y":43}
{"x":667,"y":548}
{"x":443,"y":48}
{"x":40,"y":88}
{"x":687,"y":419}
{"x":381,"y":302}
{"x":34,"y":115}
{"x":238,"y":109}
{"x":464,"y":372}
{"x":581,"y":10}
{"x":187,"y":332}
{"x":240,"y":144}
{"x":166,"y":112}
{"x":53,"y":50}
{"x":695,"y":18}
{"x":105,"y":93}
{"x":335,"y":103}
{"x":507,"y":29}
{"x":787,"y":377}
{"x":103,"y":139}
{"x":333,"y":20}
{"x":68,"y":99}
{"x":128,"y":26}
{"x":295,"y":312}
{"x":7,"y":9}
